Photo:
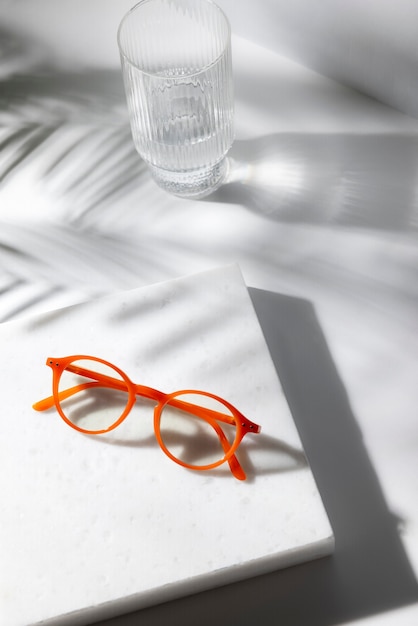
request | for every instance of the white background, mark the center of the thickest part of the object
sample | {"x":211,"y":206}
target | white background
{"x":324,"y":207}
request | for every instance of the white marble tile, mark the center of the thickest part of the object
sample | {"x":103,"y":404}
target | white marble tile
{"x":93,"y":526}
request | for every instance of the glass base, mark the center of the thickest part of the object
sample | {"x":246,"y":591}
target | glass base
{"x":192,"y":184}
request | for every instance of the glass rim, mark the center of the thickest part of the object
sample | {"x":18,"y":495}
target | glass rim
{"x":154,"y":75}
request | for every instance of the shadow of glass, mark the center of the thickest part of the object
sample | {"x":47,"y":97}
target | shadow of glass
{"x":362,"y":180}
{"x":369,"y":572}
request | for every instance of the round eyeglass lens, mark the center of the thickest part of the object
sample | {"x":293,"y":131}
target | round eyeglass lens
{"x":194,"y":429}
{"x":89,"y":401}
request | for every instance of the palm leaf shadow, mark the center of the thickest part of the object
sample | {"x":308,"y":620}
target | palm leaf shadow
{"x":69,"y":130}
{"x":73,"y":117}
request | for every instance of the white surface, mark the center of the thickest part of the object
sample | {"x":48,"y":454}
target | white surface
{"x":94,"y":521}
{"x":343,"y":166}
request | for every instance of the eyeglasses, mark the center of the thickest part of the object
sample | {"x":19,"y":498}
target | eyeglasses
{"x":196,"y":429}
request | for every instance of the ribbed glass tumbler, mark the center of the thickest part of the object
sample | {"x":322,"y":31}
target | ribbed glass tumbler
{"x":176,"y":64}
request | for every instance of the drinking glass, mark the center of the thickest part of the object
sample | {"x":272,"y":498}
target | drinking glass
{"x":177,"y":70}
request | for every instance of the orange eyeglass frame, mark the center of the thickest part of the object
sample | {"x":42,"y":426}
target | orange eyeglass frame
{"x":243,"y":425}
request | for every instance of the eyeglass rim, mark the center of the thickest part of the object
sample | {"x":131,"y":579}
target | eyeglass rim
{"x":60,"y":366}
{"x":158,"y":410}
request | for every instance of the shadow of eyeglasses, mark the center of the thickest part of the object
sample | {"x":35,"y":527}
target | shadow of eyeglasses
{"x":259,"y":456}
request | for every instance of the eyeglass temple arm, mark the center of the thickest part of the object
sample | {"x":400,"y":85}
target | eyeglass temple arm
{"x":146,"y":392}
{"x":234,"y":465}
{"x":142,"y":390}
{"x":49,"y":402}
